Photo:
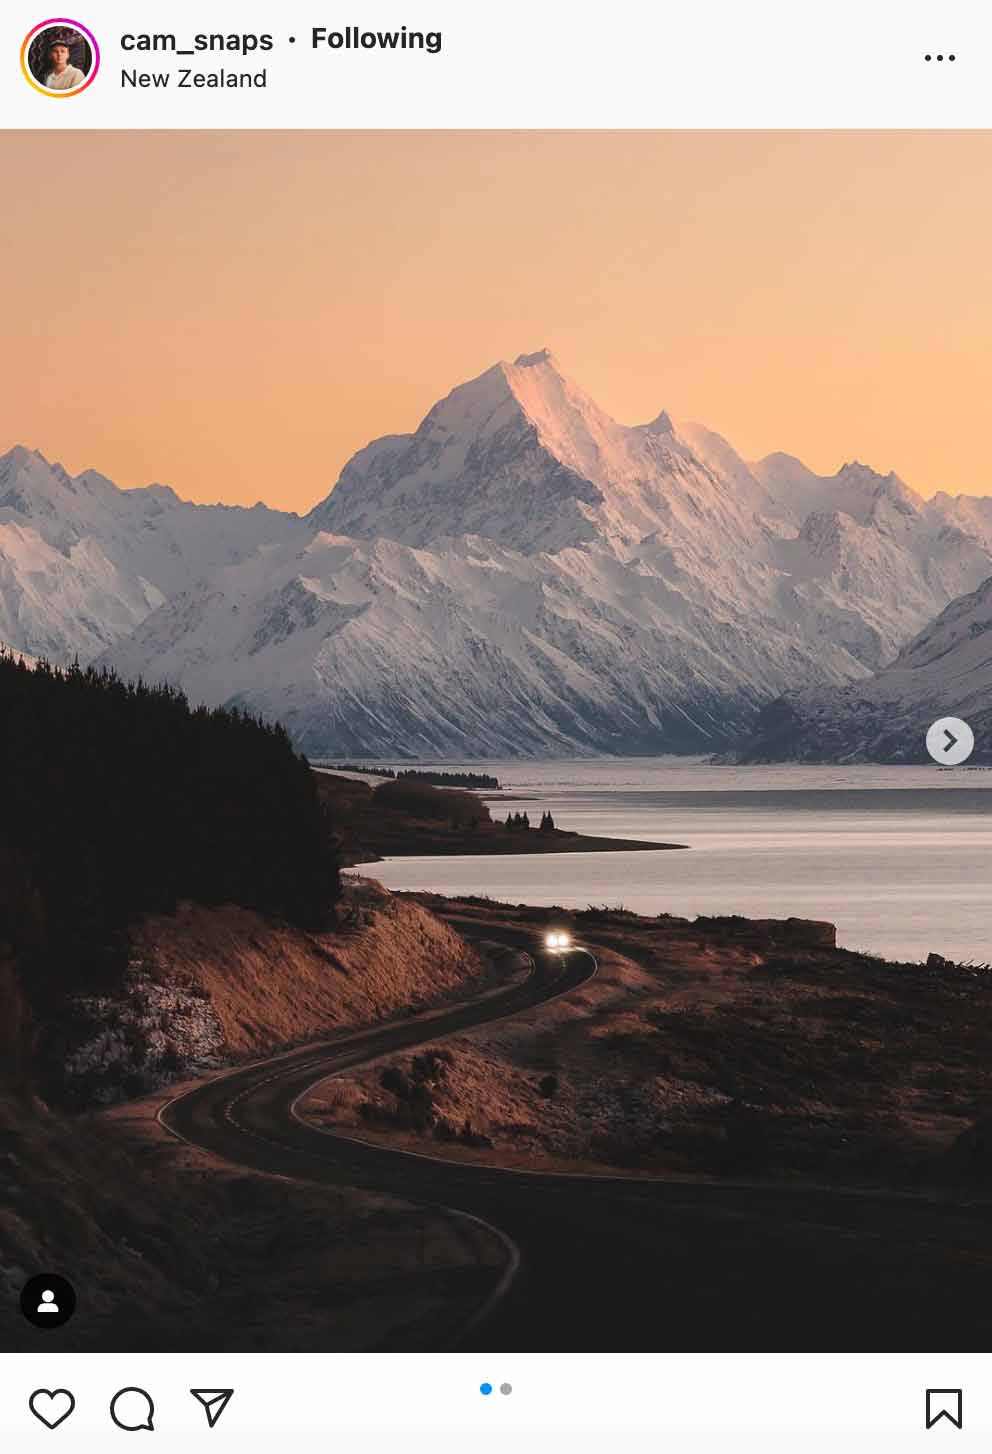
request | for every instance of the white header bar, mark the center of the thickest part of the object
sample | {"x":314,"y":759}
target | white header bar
{"x":519,"y":64}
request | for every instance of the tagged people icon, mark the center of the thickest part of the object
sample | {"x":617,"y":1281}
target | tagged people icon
{"x":48,"y":1300}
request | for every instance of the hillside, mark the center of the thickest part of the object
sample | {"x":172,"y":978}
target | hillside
{"x":169,"y":906}
{"x":176,"y":1252}
{"x":205,"y":986}
{"x":714,"y":1047}
{"x":120,"y":801}
{"x":172,"y":1249}
{"x":945,"y":671}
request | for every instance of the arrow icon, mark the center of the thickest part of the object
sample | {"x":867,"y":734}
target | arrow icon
{"x":950,"y":741}
{"x":214,"y":1401}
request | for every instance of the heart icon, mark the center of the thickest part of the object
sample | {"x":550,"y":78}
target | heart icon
{"x":52,"y":1406}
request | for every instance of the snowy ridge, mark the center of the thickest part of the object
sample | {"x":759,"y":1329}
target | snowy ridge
{"x":82,"y":562}
{"x":467,"y":648}
{"x":945,"y":671}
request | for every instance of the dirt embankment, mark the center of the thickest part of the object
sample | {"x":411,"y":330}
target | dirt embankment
{"x":718,"y":1047}
{"x":208,"y":986}
{"x":273,"y":986}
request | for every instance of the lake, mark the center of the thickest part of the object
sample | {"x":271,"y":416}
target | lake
{"x":899,"y":858}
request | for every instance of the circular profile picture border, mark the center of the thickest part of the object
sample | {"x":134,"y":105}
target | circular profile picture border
{"x":49,"y":24}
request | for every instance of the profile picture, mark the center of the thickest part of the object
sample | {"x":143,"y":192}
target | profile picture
{"x":60,"y":57}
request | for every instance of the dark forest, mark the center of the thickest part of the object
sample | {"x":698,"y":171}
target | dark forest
{"x":119,"y":799}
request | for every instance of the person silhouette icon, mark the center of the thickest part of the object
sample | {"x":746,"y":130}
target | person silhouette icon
{"x":48,"y":1300}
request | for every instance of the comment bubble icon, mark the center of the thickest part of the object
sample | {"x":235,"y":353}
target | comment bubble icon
{"x":132,"y":1409}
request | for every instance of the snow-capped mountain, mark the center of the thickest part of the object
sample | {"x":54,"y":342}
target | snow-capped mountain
{"x":868,"y":543}
{"x":946,"y":671}
{"x":523,"y":574}
{"x":523,"y":457}
{"x":82,"y":562}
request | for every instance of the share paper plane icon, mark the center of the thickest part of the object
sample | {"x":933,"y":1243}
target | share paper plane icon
{"x":214,"y":1401}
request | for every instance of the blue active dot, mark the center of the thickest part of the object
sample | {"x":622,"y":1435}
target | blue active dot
{"x":485,"y":1388}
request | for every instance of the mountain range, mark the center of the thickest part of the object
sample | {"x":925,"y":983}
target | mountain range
{"x":520,"y":575}
{"x":83,"y":562}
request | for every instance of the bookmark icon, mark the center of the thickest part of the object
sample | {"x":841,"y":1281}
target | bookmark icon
{"x":945,"y":1403}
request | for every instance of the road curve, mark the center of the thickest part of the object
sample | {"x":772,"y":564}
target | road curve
{"x":627,"y":1263}
{"x":249,"y":1116}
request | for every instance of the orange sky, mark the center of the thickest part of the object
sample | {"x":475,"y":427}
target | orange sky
{"x":234,"y":314}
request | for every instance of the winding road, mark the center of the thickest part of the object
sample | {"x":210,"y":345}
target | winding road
{"x":618,"y":1263}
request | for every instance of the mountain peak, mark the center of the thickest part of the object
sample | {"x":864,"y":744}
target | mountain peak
{"x":660,"y":424}
{"x":525,"y":400}
{"x":523,"y":456}
{"x":858,"y":472}
{"x":531,"y":360}
{"x":20,"y":458}
{"x":19,"y":453}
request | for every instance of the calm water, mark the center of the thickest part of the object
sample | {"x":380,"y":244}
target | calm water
{"x":900,"y":859}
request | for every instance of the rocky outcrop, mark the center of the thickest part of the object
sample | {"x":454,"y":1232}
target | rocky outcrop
{"x":139,"y":1038}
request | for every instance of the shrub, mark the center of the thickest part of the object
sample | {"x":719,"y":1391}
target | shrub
{"x":396,"y":1081}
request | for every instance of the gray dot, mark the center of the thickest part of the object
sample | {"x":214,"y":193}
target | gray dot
{"x":506,"y":1388}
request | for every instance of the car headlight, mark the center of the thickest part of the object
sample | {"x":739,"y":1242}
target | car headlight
{"x":556,"y":940}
